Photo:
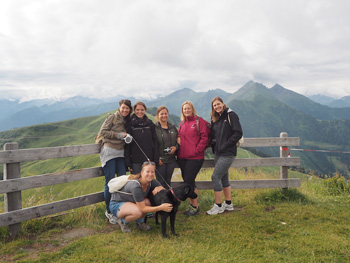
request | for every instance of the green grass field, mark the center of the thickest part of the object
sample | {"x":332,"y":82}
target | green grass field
{"x":309,"y":224}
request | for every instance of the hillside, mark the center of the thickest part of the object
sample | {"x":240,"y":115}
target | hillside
{"x":263,"y":112}
{"x":309,"y":107}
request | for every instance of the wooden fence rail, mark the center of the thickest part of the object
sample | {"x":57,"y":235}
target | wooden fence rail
{"x":13,"y":184}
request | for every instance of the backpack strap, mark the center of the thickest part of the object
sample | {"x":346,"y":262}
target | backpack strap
{"x":181,"y":123}
{"x":197,"y":124}
{"x":126,"y":192}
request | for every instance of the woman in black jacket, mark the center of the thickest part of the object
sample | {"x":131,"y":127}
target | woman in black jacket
{"x":225,"y":133}
{"x":144,"y":145}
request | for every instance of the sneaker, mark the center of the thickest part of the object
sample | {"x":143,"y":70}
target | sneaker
{"x":187,"y":210}
{"x":112,"y":219}
{"x":143,"y":226}
{"x":227,"y":207}
{"x":192,"y":211}
{"x":216,"y":210}
{"x":123,"y":226}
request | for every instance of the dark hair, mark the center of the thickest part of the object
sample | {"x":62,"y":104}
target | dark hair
{"x":127,"y":103}
{"x":140,"y":103}
{"x":214,"y":115}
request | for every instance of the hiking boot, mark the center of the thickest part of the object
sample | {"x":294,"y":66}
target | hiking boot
{"x":187,"y":210}
{"x":143,"y":226}
{"x":227,"y":207}
{"x":123,"y":226}
{"x":216,"y":210}
{"x":192,"y":211}
{"x":112,"y":219}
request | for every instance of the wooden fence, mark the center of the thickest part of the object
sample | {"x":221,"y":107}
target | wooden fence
{"x":13,"y":184}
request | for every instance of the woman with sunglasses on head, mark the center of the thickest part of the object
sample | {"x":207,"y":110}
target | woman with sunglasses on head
{"x":167,"y":145}
{"x":113,"y":131}
{"x":192,"y":142}
{"x":144,"y":146}
{"x":130,"y":203}
{"x":225,"y":133}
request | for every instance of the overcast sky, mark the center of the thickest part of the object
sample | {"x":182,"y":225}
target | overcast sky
{"x":147,"y":48}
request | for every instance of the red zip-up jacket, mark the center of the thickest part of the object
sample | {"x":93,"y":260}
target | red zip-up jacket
{"x":192,"y":144}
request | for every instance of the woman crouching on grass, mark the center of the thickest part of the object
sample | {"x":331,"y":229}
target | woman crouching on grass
{"x":129,"y":203}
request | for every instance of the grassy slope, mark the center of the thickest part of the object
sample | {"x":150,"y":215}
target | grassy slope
{"x":311,"y":227}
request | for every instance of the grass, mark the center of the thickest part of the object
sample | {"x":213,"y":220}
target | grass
{"x":309,"y":224}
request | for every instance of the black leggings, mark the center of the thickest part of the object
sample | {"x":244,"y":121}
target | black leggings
{"x":189,"y":169}
{"x":165,"y":172}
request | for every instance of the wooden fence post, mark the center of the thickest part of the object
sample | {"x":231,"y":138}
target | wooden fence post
{"x":13,"y":201}
{"x":284,"y":153}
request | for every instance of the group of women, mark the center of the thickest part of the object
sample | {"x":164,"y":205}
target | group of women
{"x":154,"y":151}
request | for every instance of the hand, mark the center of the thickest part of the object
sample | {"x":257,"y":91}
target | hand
{"x":157,"y":189}
{"x":178,"y":140}
{"x":173,"y":149}
{"x":166,"y":207}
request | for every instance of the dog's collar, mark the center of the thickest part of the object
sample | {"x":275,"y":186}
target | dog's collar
{"x":172,"y":191}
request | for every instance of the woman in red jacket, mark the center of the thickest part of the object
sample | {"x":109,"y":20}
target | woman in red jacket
{"x":192,"y":142}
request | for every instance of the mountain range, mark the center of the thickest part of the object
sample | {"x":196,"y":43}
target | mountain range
{"x":15,"y":114}
{"x":263,"y":112}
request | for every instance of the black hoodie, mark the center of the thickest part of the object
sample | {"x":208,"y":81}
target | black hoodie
{"x":226,"y":133}
{"x":143,"y":132}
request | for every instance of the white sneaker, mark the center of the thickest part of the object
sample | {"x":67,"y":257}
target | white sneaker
{"x":215,"y":210}
{"x":112,"y":219}
{"x":227,"y":207}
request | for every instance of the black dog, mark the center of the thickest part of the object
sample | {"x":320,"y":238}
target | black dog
{"x":174,"y":196}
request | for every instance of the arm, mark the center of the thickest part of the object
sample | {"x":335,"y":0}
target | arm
{"x":155,"y":143}
{"x":167,"y":207}
{"x":204,"y":136}
{"x":105,"y":130}
{"x":236,"y":128}
{"x":127,"y":148}
{"x":176,"y":145}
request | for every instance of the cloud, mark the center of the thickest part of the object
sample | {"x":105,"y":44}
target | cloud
{"x":153,"y":47}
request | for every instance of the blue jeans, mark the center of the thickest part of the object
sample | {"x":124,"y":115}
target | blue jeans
{"x":112,"y":167}
{"x":115,"y":208}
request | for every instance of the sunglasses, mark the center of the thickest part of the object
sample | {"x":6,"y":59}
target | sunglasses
{"x":147,"y":163}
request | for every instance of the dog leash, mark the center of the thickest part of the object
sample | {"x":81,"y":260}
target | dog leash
{"x":171,"y":189}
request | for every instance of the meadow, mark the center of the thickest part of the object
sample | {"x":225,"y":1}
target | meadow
{"x":308,"y":224}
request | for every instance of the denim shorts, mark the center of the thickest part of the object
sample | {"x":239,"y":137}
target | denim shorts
{"x":115,"y":207}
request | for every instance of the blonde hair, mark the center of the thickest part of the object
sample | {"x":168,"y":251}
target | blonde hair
{"x":138,"y":176}
{"x":194,"y":113}
{"x":214,"y":115}
{"x":160,"y":109}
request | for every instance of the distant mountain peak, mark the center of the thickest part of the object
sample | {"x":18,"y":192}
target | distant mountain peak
{"x":249,"y":91}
